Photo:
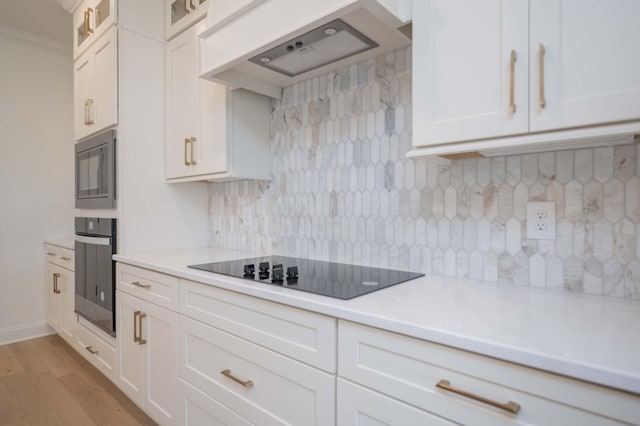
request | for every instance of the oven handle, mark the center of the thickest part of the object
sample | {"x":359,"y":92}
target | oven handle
{"x":101,"y":241}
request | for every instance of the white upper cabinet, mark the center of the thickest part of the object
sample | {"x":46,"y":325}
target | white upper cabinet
{"x":500,"y":76}
{"x":589,"y":70}
{"x":91,"y":19}
{"x":212,"y":133}
{"x":95,"y":83}
{"x":465,"y":86}
{"x":180,"y":14}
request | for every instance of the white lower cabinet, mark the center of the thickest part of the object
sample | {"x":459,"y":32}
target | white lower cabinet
{"x":147,"y":367}
{"x":197,"y":408}
{"x":408,"y":370}
{"x":361,"y":406}
{"x":61,"y":291}
{"x":257,"y":384}
{"x":97,"y":347}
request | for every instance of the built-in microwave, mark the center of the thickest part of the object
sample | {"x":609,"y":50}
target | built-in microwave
{"x":95,"y":164}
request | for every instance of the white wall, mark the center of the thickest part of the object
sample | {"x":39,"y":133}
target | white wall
{"x":36,"y":174}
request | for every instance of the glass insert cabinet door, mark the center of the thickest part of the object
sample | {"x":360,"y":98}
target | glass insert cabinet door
{"x":91,"y":19}
{"x":182,"y":13}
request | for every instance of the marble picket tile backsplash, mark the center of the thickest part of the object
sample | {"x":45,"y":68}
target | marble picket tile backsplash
{"x":342,"y":189}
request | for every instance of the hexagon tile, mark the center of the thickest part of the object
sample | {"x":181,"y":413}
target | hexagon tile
{"x":342,"y":189}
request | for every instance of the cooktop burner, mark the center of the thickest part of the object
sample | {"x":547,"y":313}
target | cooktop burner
{"x":331,"y":279}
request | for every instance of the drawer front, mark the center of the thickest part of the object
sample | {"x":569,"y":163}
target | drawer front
{"x":197,"y":409}
{"x":303,"y":335}
{"x":409,"y":369}
{"x":96,"y":351}
{"x":60,"y":256}
{"x":282,"y":390}
{"x":151,"y":286}
{"x":361,"y":406}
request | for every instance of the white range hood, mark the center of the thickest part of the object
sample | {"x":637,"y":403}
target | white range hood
{"x":266,"y":45}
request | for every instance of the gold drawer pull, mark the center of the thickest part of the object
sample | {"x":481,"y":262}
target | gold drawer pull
{"x":510,"y":406}
{"x":65,"y":258}
{"x":50,"y":253}
{"x":91,"y":350}
{"x":512,"y":71}
{"x":137,"y":284}
{"x":56,"y":289}
{"x":541,"y":52}
{"x":245,"y":383}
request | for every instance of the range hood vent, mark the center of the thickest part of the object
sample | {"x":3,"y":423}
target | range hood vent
{"x":257,"y":46}
{"x":326,"y":44}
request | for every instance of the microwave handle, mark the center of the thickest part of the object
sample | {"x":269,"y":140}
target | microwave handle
{"x":101,"y":241}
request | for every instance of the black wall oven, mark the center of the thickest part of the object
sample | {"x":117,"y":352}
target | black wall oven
{"x":95,"y":164}
{"x":96,"y":271}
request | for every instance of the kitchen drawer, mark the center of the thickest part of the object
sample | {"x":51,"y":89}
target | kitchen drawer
{"x":197,"y":409}
{"x":153,"y":287}
{"x":282,"y":390}
{"x":408,"y":369}
{"x":303,"y":335}
{"x":96,"y":350}
{"x":361,"y":406}
{"x":61,"y":256}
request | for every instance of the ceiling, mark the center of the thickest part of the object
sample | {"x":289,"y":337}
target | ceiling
{"x":45,"y":18}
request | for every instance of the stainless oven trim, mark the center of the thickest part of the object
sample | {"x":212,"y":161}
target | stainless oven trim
{"x":101,"y":241}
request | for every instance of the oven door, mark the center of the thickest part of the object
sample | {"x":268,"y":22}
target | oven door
{"x":95,"y":292}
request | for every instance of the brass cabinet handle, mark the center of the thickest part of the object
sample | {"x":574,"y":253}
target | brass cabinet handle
{"x":141,"y":341}
{"x":541,"y":52}
{"x":510,"y":406}
{"x":56,"y":289}
{"x":49,"y":253}
{"x":86,"y":102}
{"x":191,"y":4}
{"x":91,"y":350}
{"x":185,"y":7}
{"x":85,"y":23}
{"x":65,"y":258}
{"x":89,"y":30}
{"x":187,"y":141}
{"x":89,"y":109}
{"x":136,"y":339}
{"x":137,"y":284}
{"x":512,"y":70}
{"x":193,"y":141}
{"x":245,"y":383}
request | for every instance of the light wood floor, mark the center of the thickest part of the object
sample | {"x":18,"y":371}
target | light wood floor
{"x":46,"y":382}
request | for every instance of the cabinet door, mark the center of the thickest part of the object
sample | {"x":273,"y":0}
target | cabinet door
{"x":462,"y":70}
{"x":103,"y":112}
{"x":83,"y":77}
{"x":95,"y":87}
{"x":54,"y":305}
{"x":68,"y":320}
{"x":182,"y":102}
{"x":147,"y":360}
{"x":180,"y":14}
{"x":196,"y":112}
{"x":361,"y":406}
{"x":590,"y":62}
{"x":91,"y":19}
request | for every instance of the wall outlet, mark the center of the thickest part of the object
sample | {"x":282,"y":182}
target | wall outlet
{"x":541,"y":220}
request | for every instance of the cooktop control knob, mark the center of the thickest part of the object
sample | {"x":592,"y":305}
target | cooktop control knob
{"x":277,"y":275}
{"x":249,"y":270}
{"x":292,"y":272}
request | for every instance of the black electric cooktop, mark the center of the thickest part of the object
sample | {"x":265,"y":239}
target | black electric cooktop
{"x":337,"y":280}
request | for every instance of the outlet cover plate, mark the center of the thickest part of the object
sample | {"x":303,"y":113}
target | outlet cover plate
{"x":541,"y":220}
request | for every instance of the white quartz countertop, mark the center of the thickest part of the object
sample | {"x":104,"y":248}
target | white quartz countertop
{"x":592,"y":338}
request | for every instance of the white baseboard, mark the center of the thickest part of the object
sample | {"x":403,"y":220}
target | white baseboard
{"x":24,"y":332}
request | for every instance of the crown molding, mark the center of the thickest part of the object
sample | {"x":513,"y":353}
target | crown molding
{"x":69,"y":5}
{"x":36,"y":41}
